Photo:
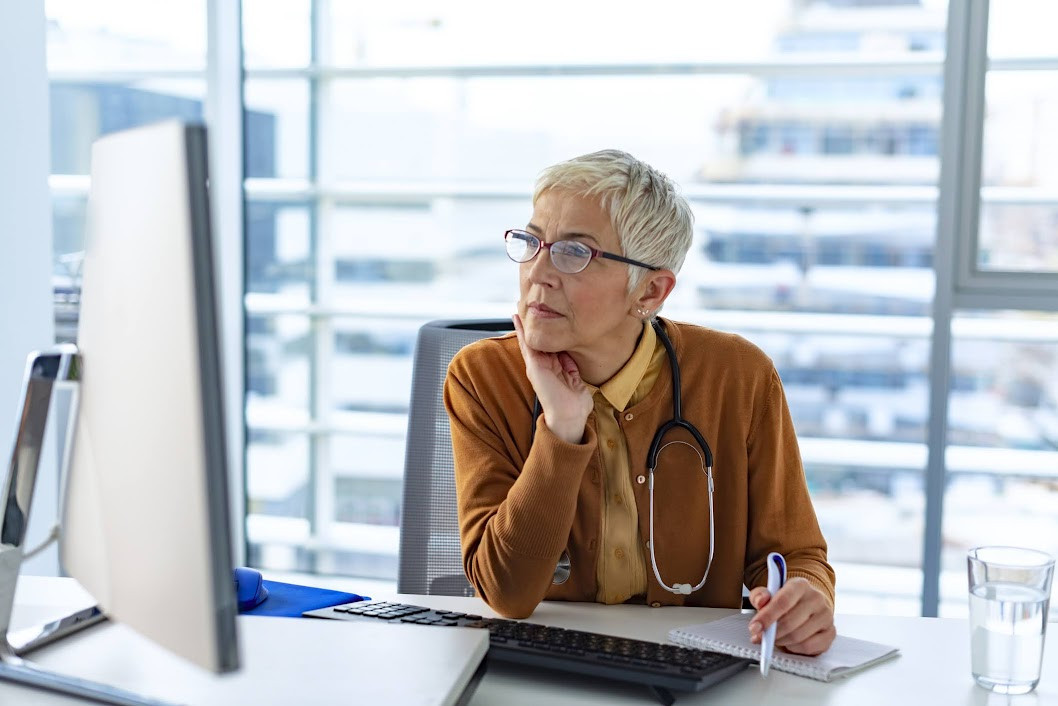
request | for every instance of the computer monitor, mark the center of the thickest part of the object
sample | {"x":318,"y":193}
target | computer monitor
{"x":145,"y":514}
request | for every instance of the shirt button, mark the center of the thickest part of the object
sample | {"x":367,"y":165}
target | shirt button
{"x":629,"y":417}
{"x":641,"y":479}
{"x":655,"y":604}
{"x":611,"y":444}
{"x":619,"y":553}
{"x":617,"y":499}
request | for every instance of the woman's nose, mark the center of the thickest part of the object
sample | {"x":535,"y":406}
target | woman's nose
{"x":541,"y":269}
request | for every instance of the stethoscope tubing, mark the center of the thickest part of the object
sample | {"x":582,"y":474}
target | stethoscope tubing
{"x":562,"y":571}
{"x":706,"y":457}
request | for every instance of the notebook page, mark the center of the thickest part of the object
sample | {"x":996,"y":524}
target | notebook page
{"x":731,"y":636}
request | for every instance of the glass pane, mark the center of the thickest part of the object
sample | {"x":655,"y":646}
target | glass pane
{"x":879,"y":570}
{"x":125,"y":34}
{"x":68,"y":230}
{"x":851,"y":387}
{"x":278,"y":498}
{"x":1003,"y":436}
{"x":366,"y":500}
{"x":277,"y":128}
{"x":1021,"y":108}
{"x":857,"y":260}
{"x":1003,"y":393}
{"x":427,"y":34}
{"x":278,"y":381}
{"x":278,"y":251}
{"x":1022,"y":28}
{"x":84,"y":110}
{"x":703,"y":128}
{"x":1018,"y":238}
{"x":371,"y":367}
{"x":450,"y":250}
{"x":263,"y":21}
{"x":68,"y":233}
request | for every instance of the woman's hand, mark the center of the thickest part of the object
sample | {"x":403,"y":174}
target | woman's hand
{"x":806,"y":620}
{"x":563,"y":396}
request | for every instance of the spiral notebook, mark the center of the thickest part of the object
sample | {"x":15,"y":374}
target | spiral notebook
{"x":731,"y":636}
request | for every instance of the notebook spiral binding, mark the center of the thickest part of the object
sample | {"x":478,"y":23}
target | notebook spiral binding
{"x":779,"y":661}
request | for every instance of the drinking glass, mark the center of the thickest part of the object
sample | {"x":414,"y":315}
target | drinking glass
{"x":1010,"y":590}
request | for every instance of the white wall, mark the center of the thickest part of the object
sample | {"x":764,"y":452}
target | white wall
{"x":26,"y":310}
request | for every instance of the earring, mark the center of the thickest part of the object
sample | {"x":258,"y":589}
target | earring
{"x":644,"y":313}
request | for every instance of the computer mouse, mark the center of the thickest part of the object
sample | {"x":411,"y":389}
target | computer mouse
{"x":249,"y":588}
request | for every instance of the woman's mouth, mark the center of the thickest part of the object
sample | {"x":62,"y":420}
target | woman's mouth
{"x":543,"y":311}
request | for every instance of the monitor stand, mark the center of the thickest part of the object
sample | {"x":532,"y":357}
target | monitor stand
{"x":44,"y":371}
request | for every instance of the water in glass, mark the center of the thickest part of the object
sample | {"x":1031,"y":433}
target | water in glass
{"x":1007,"y":625}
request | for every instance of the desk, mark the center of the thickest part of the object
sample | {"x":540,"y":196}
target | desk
{"x":285,"y":661}
{"x":933,"y":666}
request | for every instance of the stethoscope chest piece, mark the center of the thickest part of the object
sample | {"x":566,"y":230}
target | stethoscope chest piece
{"x":562,"y":569}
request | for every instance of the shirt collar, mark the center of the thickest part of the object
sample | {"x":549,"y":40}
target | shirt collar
{"x":619,"y":389}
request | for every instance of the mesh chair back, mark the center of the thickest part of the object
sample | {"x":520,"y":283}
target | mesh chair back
{"x":430,"y":558}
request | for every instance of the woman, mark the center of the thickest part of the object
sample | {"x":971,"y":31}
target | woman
{"x":552,"y":427}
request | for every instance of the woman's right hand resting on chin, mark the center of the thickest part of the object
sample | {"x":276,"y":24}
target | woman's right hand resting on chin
{"x":564,"y":398}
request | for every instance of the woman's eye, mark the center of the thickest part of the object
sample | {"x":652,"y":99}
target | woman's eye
{"x":572,"y":247}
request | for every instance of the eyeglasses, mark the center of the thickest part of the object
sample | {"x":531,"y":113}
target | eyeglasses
{"x":569,"y":256}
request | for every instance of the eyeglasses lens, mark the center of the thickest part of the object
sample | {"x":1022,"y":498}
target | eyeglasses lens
{"x":521,"y":246}
{"x":570,"y":256}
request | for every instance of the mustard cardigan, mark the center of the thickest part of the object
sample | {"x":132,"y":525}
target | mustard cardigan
{"x":523,"y":501}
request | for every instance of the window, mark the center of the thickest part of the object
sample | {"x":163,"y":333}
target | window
{"x":1000,"y":431}
{"x":387,"y":147}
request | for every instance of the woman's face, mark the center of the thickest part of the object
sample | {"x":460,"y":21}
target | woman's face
{"x":587,"y":313}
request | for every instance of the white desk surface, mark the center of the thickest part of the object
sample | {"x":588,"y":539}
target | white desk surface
{"x":287,"y":661}
{"x":933,"y":666}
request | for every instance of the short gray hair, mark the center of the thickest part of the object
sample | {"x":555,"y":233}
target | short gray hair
{"x":652,"y":220}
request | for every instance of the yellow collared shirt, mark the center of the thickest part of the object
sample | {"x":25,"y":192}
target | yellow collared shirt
{"x":621,"y":567}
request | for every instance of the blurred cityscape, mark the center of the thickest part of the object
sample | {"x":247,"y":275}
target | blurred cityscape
{"x":837,"y":290}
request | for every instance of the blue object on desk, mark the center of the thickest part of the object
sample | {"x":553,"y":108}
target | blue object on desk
{"x":249,"y":588}
{"x":259,"y":597}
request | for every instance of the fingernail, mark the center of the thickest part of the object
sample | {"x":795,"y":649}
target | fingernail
{"x":754,"y":627}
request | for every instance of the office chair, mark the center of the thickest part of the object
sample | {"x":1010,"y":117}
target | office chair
{"x":430,"y":558}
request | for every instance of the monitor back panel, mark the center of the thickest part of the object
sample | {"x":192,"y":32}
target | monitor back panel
{"x":145,"y":517}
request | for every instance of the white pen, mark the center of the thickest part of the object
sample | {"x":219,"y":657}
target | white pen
{"x":776,"y":580}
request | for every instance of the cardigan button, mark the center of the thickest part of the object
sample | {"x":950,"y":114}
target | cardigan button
{"x":655,"y":604}
{"x":629,"y":417}
{"x":641,"y":479}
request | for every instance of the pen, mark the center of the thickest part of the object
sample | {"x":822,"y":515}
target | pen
{"x":776,"y":579}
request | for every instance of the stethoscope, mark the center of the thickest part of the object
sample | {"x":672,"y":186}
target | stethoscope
{"x":562,"y":570}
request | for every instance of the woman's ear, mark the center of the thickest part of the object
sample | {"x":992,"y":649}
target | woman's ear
{"x":653,"y":290}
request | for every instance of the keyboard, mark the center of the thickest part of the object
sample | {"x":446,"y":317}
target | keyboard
{"x":658,"y":666}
